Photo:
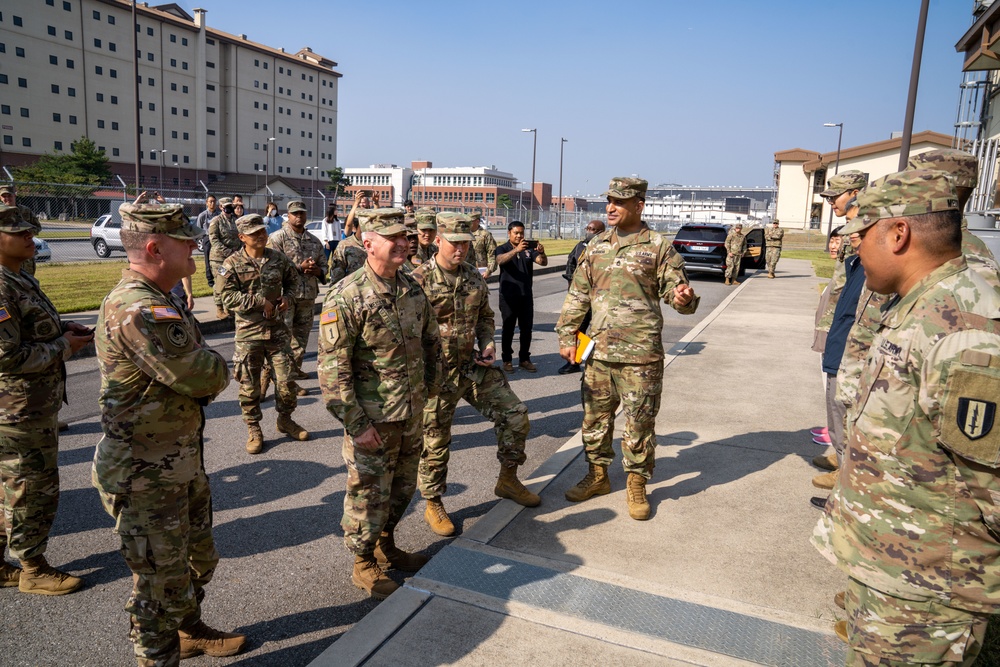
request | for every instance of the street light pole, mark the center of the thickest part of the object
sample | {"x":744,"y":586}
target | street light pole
{"x":178,"y":165}
{"x":162,"y":156}
{"x":562,"y":142}
{"x":836,"y":166}
{"x":270,"y":163}
{"x":534,"y":151}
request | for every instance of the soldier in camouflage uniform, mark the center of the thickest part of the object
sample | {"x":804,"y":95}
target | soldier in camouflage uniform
{"x":8,"y":198}
{"x":225,"y":240}
{"x":840,"y":191}
{"x":410,"y":222}
{"x":257,"y":285}
{"x":460,"y":299}
{"x":426,"y":233}
{"x":484,"y":246}
{"x":379,"y":355}
{"x":914,"y":519}
{"x":772,"y":239}
{"x":736,"y":247}
{"x":623,"y":274}
{"x":157,"y":374}
{"x":306,"y":253}
{"x":34,"y":345}
{"x":349,"y":256}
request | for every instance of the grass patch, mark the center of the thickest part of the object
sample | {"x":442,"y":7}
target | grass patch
{"x":65,"y":234}
{"x":78,"y":286}
{"x":822,"y":264}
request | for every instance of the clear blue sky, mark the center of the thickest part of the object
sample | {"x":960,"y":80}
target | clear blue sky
{"x":696,"y":92}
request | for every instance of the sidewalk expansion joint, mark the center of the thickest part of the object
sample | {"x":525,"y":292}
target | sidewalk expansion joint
{"x":662,"y":618}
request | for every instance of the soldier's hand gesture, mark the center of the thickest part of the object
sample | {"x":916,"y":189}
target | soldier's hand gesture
{"x":369,"y":440}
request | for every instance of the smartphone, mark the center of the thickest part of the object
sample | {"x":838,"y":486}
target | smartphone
{"x":532,"y":244}
{"x":367,"y":193}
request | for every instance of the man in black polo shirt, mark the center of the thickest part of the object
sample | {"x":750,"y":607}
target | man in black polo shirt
{"x":516,"y":259}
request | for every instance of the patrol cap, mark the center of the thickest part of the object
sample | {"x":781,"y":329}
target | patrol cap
{"x":626,"y":187}
{"x":6,"y":190}
{"x":844,"y":181}
{"x":166,"y":219}
{"x":910,"y":192}
{"x":296,"y":206}
{"x":426,"y":218}
{"x":384,"y":221}
{"x":225,"y":201}
{"x":250,"y":223}
{"x":454,"y":227}
{"x":410,"y":222}
{"x":475,"y":215}
{"x":11,"y":220}
{"x":961,"y":166}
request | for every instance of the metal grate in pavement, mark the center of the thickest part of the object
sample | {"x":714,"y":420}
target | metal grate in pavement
{"x":737,"y":635}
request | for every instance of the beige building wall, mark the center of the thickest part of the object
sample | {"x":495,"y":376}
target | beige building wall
{"x":209,"y":101}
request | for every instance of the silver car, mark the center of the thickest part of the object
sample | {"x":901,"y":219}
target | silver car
{"x":105,"y":234}
{"x":43,"y":252}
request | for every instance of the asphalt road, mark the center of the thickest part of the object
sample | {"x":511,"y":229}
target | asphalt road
{"x":284,"y":577}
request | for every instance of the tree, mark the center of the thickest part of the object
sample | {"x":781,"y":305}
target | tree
{"x":503,"y":201}
{"x":338,"y":182}
{"x":83,"y":165}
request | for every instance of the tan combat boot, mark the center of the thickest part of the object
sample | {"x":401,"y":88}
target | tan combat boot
{"x":727,"y":281}
{"x":840,"y":599}
{"x":199,"y":638}
{"x":826,"y":461}
{"x":437,"y":518}
{"x":510,"y":487}
{"x":9,"y":575}
{"x":594,"y":483}
{"x":388,"y":555}
{"x":840,"y":629}
{"x":635,"y":496}
{"x":770,"y":275}
{"x":255,"y":439}
{"x":826,"y":480}
{"x":221,"y":313}
{"x":368,"y":576}
{"x":40,"y":578}
{"x":288,"y":426}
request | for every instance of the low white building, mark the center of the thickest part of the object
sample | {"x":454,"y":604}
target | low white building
{"x":800,"y":175}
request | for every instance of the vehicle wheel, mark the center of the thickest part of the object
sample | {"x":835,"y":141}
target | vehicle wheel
{"x":101,"y":248}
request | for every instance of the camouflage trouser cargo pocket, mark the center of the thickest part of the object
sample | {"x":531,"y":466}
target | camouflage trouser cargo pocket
{"x":890,"y":631}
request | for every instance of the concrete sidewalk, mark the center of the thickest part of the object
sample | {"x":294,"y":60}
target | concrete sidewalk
{"x":723,"y":572}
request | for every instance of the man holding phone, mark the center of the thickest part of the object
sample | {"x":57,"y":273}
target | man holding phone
{"x":516,"y":259}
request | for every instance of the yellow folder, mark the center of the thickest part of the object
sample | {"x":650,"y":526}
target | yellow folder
{"x":584,"y":346}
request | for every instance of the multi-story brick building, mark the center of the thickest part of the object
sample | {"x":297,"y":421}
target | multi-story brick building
{"x":211,"y":103}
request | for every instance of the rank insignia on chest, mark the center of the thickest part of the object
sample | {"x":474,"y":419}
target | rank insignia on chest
{"x":975,"y":417}
{"x":4,"y":315}
{"x":165,"y":313}
{"x":328,"y":316}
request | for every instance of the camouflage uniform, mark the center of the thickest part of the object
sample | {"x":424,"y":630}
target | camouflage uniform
{"x":246,"y":284}
{"x":32,"y":387}
{"x":28,"y":265}
{"x":157,"y":374}
{"x":225,"y":240}
{"x":425,"y":253}
{"x":736,"y":247}
{"x":772,"y":239}
{"x":378,"y":361}
{"x":621,"y":281}
{"x":348,"y":257}
{"x":482,"y":250}
{"x":460,"y":300}
{"x":299,"y":316}
{"x":913,"y":518}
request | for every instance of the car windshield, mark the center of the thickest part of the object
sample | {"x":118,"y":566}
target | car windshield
{"x":701,"y":234}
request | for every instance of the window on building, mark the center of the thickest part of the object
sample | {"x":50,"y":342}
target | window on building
{"x":173,"y":38}
{"x":265,"y":64}
{"x":8,"y":140}
{"x":210,"y":133}
{"x":256,"y":84}
{"x":265,"y":106}
{"x":114,"y":125}
{"x":149,"y":31}
{"x":152,"y":106}
{"x":5,"y":109}
{"x":184,"y":65}
{"x":256,"y":126}
{"x":111,"y":19}
{"x":265,"y":85}
{"x":70,"y":64}
{"x":97,"y":15}
{"x":115,"y":152}
{"x":97,"y":43}
{"x":211,"y":154}
{"x":68,"y":34}
{"x":114,"y":73}
{"x":100,"y":97}
{"x":57,"y":145}
{"x":18,"y":22}
{"x":186,"y":136}
{"x":113,"y":47}
{"x":173,"y":62}
{"x":67,"y":6}
{"x":98,"y":69}
{"x":71,"y":92}
{"x":55,"y":89}
{"x":152,"y":131}
{"x":209,"y":109}
{"x":114,"y":100}
{"x":26,"y":142}
{"x":22,"y":82}
{"x":184,"y":41}
{"x":173,"y":86}
{"x":149,"y":56}
{"x":56,"y":118}
{"x":100,"y":124}
{"x":52,"y":30}
{"x":186,"y":159}
{"x":184,"y":112}
{"x":210,"y":41}
{"x":173,"y":134}
{"x":18,"y":51}
{"x":72,"y":120}
{"x":150,"y":81}
{"x":184,"y":89}
{"x":209,"y":64}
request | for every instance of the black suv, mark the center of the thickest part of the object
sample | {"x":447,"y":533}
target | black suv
{"x":703,"y":247}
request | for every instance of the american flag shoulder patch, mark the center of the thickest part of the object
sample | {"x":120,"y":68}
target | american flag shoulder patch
{"x":328,"y":316}
{"x":165,"y":313}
